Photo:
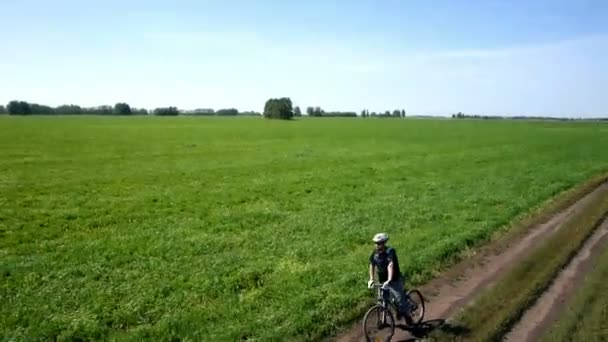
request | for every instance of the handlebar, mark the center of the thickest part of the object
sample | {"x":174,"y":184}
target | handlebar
{"x":380,"y":286}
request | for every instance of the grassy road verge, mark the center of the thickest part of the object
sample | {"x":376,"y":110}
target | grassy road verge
{"x":586,"y":316}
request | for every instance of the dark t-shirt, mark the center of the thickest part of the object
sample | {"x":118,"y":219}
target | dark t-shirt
{"x":381,"y":261}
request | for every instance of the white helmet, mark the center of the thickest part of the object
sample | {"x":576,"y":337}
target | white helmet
{"x":380,"y":237}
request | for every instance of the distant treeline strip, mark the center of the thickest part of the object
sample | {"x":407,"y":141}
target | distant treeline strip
{"x":26,"y":108}
{"x":522,"y":117}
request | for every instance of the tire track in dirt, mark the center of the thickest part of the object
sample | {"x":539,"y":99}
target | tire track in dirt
{"x":552,"y":302}
{"x":460,"y":284}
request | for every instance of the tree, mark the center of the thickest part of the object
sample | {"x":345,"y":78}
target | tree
{"x":19,"y":108}
{"x":122,"y":109}
{"x":13,"y":108}
{"x":315,"y":111}
{"x":230,"y":111}
{"x":364,"y":113}
{"x":250,"y":113}
{"x":297,"y":111}
{"x":68,"y":109}
{"x":41,"y":109}
{"x":139,"y":111}
{"x":2,"y":109}
{"x":166,"y":111}
{"x":387,"y":113}
{"x":278,"y":109}
{"x":99,"y":110}
{"x":396,"y":113}
{"x":319,"y":111}
{"x":105,"y":110}
{"x":201,"y":111}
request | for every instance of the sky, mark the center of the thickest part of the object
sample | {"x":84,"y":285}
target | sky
{"x":429,"y":57}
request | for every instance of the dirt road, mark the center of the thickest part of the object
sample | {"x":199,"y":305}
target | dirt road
{"x":459,"y":285}
{"x":551,"y":304}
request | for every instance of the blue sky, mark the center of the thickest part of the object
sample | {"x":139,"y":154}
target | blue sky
{"x":429,"y":57}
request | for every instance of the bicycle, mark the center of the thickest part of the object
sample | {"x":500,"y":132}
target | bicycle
{"x":382,"y":311}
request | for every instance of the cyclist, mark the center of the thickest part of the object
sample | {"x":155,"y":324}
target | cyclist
{"x":384,"y":262}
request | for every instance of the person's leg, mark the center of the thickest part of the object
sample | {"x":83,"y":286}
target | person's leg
{"x":396,"y":288}
{"x":387,"y":295}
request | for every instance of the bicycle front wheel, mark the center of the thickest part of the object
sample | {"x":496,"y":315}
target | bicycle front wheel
{"x":417,"y":303}
{"x":378,"y":324}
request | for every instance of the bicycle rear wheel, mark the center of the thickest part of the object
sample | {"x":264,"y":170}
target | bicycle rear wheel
{"x":417,"y":303}
{"x":378,"y":324}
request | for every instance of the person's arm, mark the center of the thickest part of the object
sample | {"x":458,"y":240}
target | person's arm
{"x":392,"y":255}
{"x":372,"y":271}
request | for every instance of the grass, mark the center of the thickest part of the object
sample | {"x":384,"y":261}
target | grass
{"x":511,"y":234}
{"x":224,"y":229}
{"x":491,"y":316}
{"x":586,"y":316}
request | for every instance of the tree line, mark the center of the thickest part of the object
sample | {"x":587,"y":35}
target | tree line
{"x":397,"y":113}
{"x":275,"y":108}
{"x":121,"y":108}
{"x":26,"y":108}
{"x":320,"y":112}
{"x":279,"y":108}
{"x":461,"y":115}
{"x":219,"y":112}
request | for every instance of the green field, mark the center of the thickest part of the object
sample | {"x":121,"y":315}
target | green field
{"x":131,"y":228}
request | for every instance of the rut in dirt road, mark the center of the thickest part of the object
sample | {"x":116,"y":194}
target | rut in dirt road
{"x":549,"y":306}
{"x":460,"y":284}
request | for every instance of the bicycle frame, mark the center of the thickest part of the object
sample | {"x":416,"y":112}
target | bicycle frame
{"x":387,"y":301}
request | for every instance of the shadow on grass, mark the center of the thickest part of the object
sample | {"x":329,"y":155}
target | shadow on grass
{"x":434,"y":329}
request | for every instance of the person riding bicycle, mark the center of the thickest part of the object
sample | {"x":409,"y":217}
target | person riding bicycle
{"x":384,"y":262}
